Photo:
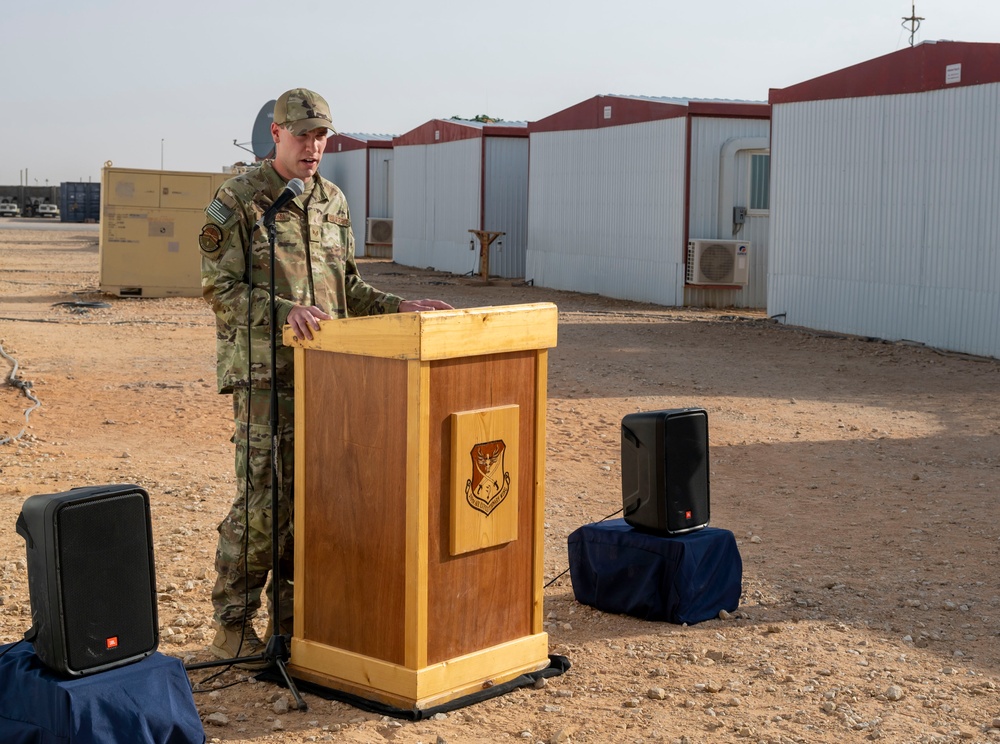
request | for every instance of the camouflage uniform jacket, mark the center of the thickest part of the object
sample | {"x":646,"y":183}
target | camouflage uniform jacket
{"x":314,"y":265}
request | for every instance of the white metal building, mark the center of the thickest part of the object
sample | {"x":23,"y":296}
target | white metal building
{"x":454,"y":176}
{"x":885,"y":195}
{"x":361,"y":165}
{"x":619,"y":185}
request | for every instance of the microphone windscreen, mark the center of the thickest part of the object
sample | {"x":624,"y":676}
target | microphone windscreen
{"x":296,"y":186}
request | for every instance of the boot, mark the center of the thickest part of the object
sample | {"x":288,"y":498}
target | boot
{"x":227,"y":645}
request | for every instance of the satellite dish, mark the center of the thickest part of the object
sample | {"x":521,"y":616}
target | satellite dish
{"x":260,"y":139}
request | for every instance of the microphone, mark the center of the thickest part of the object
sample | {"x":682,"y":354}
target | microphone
{"x":291,"y":190}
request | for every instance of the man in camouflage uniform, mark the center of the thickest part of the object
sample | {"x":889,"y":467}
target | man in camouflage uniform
{"x":316,"y":278}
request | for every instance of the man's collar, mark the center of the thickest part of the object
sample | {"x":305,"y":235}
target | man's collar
{"x":314,"y":188}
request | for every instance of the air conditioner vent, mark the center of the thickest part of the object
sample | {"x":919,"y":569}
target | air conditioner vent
{"x":379,"y":231}
{"x":718,"y":262}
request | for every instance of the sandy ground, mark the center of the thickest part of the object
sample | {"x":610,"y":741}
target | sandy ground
{"x":860,"y":479}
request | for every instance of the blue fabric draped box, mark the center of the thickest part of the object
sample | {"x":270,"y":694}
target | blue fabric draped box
{"x":685,"y":578}
{"x":147,"y":702}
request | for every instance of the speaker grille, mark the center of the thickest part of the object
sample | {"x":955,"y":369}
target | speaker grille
{"x":686,"y":451}
{"x":106,"y":579}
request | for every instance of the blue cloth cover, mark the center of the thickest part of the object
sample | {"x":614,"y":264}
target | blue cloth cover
{"x":146,"y":702}
{"x":680,"y":579}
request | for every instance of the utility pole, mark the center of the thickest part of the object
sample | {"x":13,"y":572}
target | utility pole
{"x":914,"y":21}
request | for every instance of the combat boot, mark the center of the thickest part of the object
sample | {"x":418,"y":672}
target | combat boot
{"x":227,"y":645}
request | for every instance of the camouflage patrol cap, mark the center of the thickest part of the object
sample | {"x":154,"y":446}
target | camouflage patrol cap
{"x":302,"y":110}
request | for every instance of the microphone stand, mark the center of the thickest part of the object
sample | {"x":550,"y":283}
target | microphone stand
{"x":277,"y":651}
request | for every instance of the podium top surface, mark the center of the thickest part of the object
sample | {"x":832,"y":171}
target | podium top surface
{"x":437,"y":334}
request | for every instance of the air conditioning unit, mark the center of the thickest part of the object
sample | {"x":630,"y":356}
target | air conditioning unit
{"x":379,"y":231}
{"x":718,"y":262}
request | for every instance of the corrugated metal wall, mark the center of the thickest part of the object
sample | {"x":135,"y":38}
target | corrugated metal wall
{"x":885,"y":217}
{"x":436,"y":193}
{"x":606,"y":211}
{"x":347,"y":170}
{"x":380,"y":182}
{"x":712,"y":202}
{"x":506,"y":203}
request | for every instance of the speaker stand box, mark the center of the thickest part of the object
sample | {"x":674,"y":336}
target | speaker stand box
{"x":148,"y":702}
{"x":680,"y":579}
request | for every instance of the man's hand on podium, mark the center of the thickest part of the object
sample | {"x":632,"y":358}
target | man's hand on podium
{"x":418,"y":306}
{"x":304,"y":320}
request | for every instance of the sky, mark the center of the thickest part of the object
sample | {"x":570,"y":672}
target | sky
{"x":174,"y":84}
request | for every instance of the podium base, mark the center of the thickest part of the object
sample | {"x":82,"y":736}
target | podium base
{"x":424,"y":687}
{"x":557,"y":665}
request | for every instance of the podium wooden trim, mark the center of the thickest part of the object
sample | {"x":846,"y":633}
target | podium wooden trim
{"x":382,"y":608}
{"x":441,"y":334}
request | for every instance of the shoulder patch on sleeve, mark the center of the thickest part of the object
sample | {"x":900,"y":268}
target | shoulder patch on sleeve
{"x":218,"y":211}
{"x":210,"y":239}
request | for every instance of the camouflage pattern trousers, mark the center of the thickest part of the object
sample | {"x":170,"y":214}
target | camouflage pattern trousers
{"x":243,"y":557}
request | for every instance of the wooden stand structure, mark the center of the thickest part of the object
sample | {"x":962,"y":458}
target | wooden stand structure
{"x":486,"y":238}
{"x":419,"y":502}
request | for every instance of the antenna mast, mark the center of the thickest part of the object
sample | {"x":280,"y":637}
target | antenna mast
{"x":914,"y":21}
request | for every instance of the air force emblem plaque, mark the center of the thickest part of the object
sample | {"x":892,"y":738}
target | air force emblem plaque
{"x":490,"y":483}
{"x":484,"y":470}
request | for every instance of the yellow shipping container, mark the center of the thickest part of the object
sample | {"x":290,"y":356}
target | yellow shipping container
{"x":150,"y":221}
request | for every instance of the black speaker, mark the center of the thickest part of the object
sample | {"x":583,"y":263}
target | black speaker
{"x":665,"y":470}
{"x":91,"y":579}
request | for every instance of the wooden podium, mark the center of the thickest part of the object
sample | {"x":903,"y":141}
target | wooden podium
{"x":419,"y":502}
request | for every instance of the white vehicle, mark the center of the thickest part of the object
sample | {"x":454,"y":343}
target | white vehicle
{"x":47,"y":210}
{"x":9,"y":209}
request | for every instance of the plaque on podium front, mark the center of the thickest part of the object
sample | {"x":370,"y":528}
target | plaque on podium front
{"x":419,"y":502}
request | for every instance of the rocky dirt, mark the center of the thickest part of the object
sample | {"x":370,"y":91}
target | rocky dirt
{"x":860,"y":479}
